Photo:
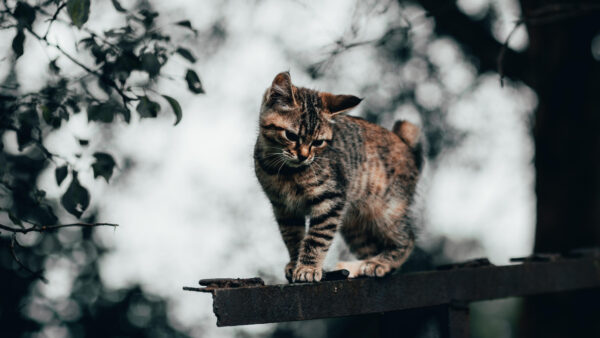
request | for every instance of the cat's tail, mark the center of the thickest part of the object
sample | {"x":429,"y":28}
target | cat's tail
{"x":411,"y":135}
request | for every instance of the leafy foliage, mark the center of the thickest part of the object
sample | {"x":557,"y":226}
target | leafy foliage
{"x":176,"y":108}
{"x":193,"y":82}
{"x":61,"y":173}
{"x":147,"y":107}
{"x":107,"y":93}
{"x":17,"y":43}
{"x":186,"y":54}
{"x":76,"y":199}
{"x":118,"y":6}
{"x":103,"y":166}
{"x":79,"y":11}
{"x":24,"y":14}
{"x":104,"y":89}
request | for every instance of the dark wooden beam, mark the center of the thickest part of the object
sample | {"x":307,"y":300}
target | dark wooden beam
{"x":459,"y":285}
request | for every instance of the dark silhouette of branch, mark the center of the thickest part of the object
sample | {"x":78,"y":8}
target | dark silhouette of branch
{"x":37,"y":274}
{"x":44,"y":39}
{"x":503,"y":51}
{"x":53,"y":18}
{"x":41,"y":228}
{"x":46,"y":228}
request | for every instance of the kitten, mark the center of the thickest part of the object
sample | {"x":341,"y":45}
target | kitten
{"x":343,"y":173}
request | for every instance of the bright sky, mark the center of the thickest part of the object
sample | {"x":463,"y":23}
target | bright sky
{"x":191,"y":207}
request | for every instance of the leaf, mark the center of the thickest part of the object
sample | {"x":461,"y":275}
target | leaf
{"x":185,"y":23}
{"x":118,"y":6}
{"x":24,"y":136}
{"x":29,"y":126}
{"x":147,"y":107}
{"x":126,"y":114}
{"x":176,"y":108}
{"x":103,"y":112}
{"x":127,"y":61}
{"x":79,"y":11}
{"x":88,"y":42}
{"x":53,"y":117}
{"x":76,"y":199}
{"x":17,"y":43}
{"x":72,"y":103}
{"x":24,"y":13}
{"x":103,"y":166}
{"x":14,"y":218}
{"x":149,"y":17}
{"x":61,"y":173}
{"x":150,"y":64}
{"x":186,"y":54}
{"x":29,"y":117}
{"x":54,"y":68}
{"x":193,"y":82}
{"x":39,"y":195}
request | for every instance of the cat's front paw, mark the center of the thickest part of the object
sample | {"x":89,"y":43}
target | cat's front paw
{"x":289,"y":270}
{"x":306,"y":273}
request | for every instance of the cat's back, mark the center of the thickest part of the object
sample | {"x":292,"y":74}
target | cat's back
{"x":379,"y":161}
{"x":374,"y":141}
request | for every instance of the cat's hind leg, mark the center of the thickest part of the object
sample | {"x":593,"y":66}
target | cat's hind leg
{"x":381,"y":243}
{"x":387,"y":261}
{"x":378,"y":265}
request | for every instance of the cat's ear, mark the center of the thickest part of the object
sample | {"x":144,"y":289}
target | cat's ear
{"x":281,"y":90}
{"x":337,"y":104}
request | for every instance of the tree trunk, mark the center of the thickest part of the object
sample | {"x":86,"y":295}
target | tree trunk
{"x":566,"y":78}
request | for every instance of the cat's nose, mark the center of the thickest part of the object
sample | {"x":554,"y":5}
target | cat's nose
{"x":303,"y":153}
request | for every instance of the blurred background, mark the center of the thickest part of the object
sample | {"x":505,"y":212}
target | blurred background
{"x":505,"y":100}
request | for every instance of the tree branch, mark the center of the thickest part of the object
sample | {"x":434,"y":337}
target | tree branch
{"x":41,"y":228}
{"x":23,"y":266}
{"x":503,"y":51}
{"x":46,"y":228}
{"x":44,"y":39}
{"x":53,"y":18}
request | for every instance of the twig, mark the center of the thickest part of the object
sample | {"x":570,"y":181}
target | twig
{"x":23,"y":266}
{"x":58,"y":9}
{"x":503,"y":51}
{"x":41,"y":228}
{"x":46,"y":228}
{"x":78,"y":63}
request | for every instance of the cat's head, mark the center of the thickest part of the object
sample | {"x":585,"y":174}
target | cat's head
{"x":295,"y":122}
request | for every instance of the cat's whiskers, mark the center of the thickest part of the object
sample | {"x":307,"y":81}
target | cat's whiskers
{"x":275,"y":160}
{"x":267,"y":155}
{"x":282,"y":164}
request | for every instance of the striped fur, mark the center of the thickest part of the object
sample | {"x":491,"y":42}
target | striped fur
{"x":342,"y":173}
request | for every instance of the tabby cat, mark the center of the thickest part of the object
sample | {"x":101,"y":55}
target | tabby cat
{"x":340,"y":172}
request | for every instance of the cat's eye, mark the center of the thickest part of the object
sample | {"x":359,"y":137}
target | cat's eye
{"x":318,"y":143}
{"x":291,"y":136}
